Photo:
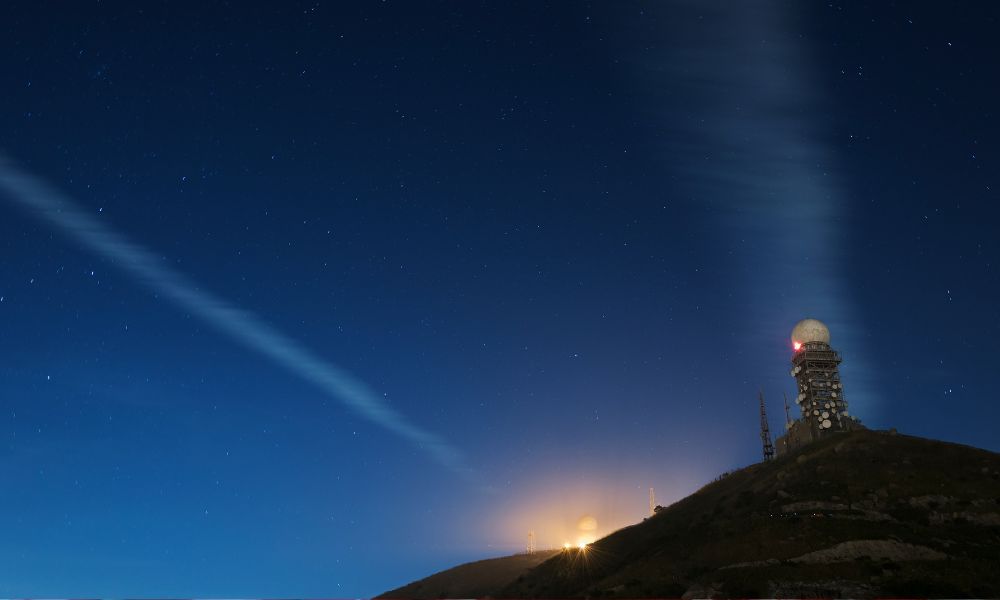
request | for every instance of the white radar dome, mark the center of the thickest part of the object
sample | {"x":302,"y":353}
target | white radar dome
{"x":810,"y":330}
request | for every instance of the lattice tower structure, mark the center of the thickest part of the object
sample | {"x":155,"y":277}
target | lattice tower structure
{"x":765,"y":432}
{"x":815,"y":367}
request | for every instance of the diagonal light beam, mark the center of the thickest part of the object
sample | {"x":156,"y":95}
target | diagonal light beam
{"x":50,"y":206}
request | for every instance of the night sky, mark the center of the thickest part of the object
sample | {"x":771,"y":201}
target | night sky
{"x":315,"y":299}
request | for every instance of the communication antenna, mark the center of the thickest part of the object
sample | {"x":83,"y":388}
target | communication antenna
{"x":531,"y":542}
{"x":788,"y":415}
{"x":765,"y":432}
{"x":652,"y":502}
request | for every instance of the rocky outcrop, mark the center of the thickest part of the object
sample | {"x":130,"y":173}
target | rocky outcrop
{"x":820,"y":589}
{"x":928,"y":502}
{"x":853,"y":550}
{"x":872,"y":549}
{"x":812,"y":506}
{"x":987,"y":519}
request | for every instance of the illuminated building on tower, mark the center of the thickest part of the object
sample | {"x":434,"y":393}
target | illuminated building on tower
{"x":815,"y":367}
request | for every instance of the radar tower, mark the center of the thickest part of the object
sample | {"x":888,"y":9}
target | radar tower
{"x":820,"y":393}
{"x":815,"y":368}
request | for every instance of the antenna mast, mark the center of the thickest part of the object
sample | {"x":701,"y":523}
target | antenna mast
{"x":788,"y":415}
{"x":652,"y":502}
{"x":765,"y":432}
{"x":531,"y":542}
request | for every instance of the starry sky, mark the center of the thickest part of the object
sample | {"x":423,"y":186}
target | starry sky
{"x":313,"y":299}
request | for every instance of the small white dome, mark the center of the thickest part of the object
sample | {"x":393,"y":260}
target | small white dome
{"x":810,"y":330}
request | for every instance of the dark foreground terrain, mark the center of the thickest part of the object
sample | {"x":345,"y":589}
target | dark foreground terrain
{"x":473,"y":580}
{"x":862,"y":514}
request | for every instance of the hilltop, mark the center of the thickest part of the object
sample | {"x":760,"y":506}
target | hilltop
{"x":858,"y":514}
{"x":474,"y":579}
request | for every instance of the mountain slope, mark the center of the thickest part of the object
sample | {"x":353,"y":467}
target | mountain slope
{"x":471,"y":580}
{"x":857,"y":515}
{"x":860,"y":514}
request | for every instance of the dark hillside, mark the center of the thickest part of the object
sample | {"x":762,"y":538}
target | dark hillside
{"x":860,"y":514}
{"x":472,"y":580}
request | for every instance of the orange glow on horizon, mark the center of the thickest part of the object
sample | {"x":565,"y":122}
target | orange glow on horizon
{"x":581,"y":506}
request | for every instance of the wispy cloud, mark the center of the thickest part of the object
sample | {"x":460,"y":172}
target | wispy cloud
{"x":743,"y":116}
{"x":47,"y":204}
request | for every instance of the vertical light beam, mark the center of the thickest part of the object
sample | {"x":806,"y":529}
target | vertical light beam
{"x":744,"y":116}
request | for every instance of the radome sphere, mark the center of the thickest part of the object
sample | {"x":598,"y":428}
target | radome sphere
{"x":810,"y":330}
